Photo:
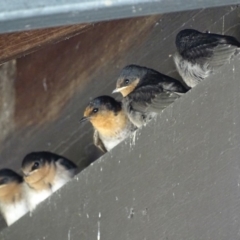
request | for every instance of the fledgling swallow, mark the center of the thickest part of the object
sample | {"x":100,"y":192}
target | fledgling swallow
{"x":201,"y":54}
{"x":44,"y":173}
{"x":13,"y":204}
{"x":110,"y":122}
{"x":146,"y":92}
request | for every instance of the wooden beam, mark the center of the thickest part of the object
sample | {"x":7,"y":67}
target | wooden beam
{"x":19,"y":44}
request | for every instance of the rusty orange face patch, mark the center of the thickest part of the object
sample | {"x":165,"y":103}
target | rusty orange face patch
{"x":11,"y":191}
{"x":88,"y":111}
{"x":126,"y":89}
{"x":40,"y":179}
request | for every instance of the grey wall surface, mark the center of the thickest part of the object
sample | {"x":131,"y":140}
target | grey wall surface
{"x":177,"y":179}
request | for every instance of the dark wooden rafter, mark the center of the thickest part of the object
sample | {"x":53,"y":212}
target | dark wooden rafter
{"x":14,"y":45}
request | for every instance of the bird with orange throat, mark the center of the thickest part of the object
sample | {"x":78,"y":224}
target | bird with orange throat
{"x":44,"y":173}
{"x":110,"y":122}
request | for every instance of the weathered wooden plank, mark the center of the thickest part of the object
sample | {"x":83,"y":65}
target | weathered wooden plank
{"x":7,"y":101}
{"x":19,"y":44}
{"x":177,"y":179}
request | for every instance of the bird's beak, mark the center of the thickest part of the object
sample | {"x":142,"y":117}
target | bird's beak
{"x":115,"y":90}
{"x":84,"y":119}
{"x":118,"y":89}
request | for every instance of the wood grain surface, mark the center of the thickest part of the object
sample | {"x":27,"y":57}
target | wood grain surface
{"x":14,"y":45}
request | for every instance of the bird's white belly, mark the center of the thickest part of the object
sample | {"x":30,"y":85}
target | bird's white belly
{"x":35,"y":197}
{"x":12,"y":212}
{"x":112,"y":142}
{"x":191,"y":73}
{"x":63,"y":175}
{"x":61,"y":180}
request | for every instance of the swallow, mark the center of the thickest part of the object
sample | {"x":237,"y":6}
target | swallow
{"x":111,"y":124}
{"x":44,"y":173}
{"x":13,"y":204}
{"x":146,"y":92}
{"x":202,"y":54}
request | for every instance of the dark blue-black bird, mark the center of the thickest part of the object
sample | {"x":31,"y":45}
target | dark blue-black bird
{"x":146,"y":92}
{"x":202,"y":54}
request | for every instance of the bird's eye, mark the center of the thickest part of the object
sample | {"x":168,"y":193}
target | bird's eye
{"x":35,"y":166}
{"x":126,"y":81}
{"x":3,"y":181}
{"x":95,"y":110}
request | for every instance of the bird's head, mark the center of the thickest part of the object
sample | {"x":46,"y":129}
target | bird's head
{"x":130,"y":77}
{"x":101,"y":111}
{"x":37,"y":165}
{"x":186,"y":39}
{"x":8,"y":181}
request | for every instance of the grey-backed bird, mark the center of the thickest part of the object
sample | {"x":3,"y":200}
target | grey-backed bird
{"x":146,"y":92}
{"x":110,"y":122}
{"x":201,"y":54}
{"x":44,"y":173}
{"x":13,"y":204}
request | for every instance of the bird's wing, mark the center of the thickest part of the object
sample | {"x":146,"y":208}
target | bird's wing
{"x":152,"y":99}
{"x":98,"y":142}
{"x":69,"y":165}
{"x":222,"y":54}
{"x":216,"y":50}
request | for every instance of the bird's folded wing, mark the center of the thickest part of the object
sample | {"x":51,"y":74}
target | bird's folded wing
{"x":153,"y":101}
{"x":214,"y":51}
{"x":222,"y":54}
{"x":67,"y":163}
{"x":98,"y":142}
